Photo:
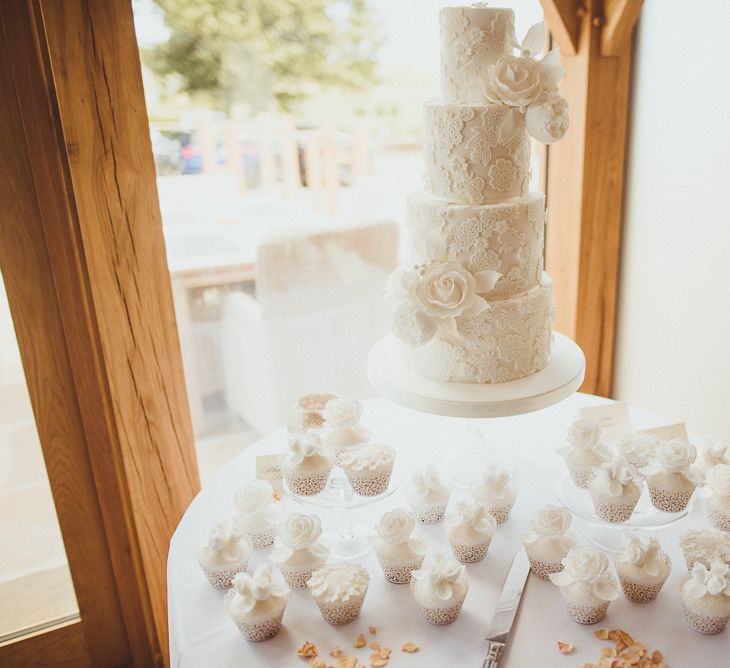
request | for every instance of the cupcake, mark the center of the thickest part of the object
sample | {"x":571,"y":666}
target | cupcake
{"x":470,"y":528}
{"x":299,"y":552}
{"x":256,"y":604}
{"x":638,"y":449}
{"x":613,"y":490}
{"x":548,"y":541}
{"x":705,"y":596}
{"x":397,"y":549}
{"x":440,"y":589}
{"x":306,"y":467}
{"x":368,"y":468}
{"x":339,"y":590}
{"x":586,"y":584}
{"x":718,"y":505}
{"x":342,"y":432}
{"x":224,"y":556}
{"x":427,"y":494}
{"x":670,"y":477}
{"x":496,"y":490}
{"x":584,"y":451}
{"x":256,"y":515}
{"x":713,"y":456}
{"x":308,"y":412}
{"x":705,"y":546}
{"x":642,"y":567}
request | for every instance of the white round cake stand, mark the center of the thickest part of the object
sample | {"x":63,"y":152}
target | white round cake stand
{"x":391,"y":377}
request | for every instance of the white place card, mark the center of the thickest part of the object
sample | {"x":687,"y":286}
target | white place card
{"x":669,"y":431}
{"x":269,"y":469}
{"x":613,"y":418}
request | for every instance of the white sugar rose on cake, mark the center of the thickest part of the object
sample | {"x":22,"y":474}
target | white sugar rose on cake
{"x":470,"y":528}
{"x":549,"y":540}
{"x":339,"y":589}
{"x":642,"y":567}
{"x":705,"y":596}
{"x":427,"y":494}
{"x":671,"y":477}
{"x":718,"y":505}
{"x":398,"y":550}
{"x":224,"y":556}
{"x":584,"y":451}
{"x":306,"y":466}
{"x":299,"y":551}
{"x":440,"y":588}
{"x":256,"y":513}
{"x":342,"y":431}
{"x":256,"y":603}
{"x":613,"y":490}
{"x":369,"y":468}
{"x":638,"y":448}
{"x":705,"y":546}
{"x":713,"y":455}
{"x":497,"y":491}
{"x":586,"y":584}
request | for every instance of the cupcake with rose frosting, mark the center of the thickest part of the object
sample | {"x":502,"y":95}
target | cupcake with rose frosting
{"x":718,"y":505}
{"x":440,"y":588}
{"x":642,"y":567}
{"x":671,"y":477}
{"x":398,"y":550}
{"x":586,"y":584}
{"x":342,"y":431}
{"x":299,"y":552}
{"x":613,"y":490}
{"x":549,"y":540}
{"x":470,"y":528}
{"x":705,"y":596}
{"x":638,"y":449}
{"x":339,"y":590}
{"x":224,"y":556}
{"x":705,"y":545}
{"x":256,"y":513}
{"x":256,"y":603}
{"x":306,"y":466}
{"x":497,"y":491}
{"x":713,"y":455}
{"x":584,"y":451}
{"x":427,"y":494}
{"x":369,"y":468}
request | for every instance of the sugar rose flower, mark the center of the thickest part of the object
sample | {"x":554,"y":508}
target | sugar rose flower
{"x":447,"y":290}
{"x":396,"y":526}
{"x":342,"y":412}
{"x":718,"y":479}
{"x":676,"y":455}
{"x":515,"y":81}
{"x":585,"y":563}
{"x":254,"y":496}
{"x":584,"y":434}
{"x":548,"y":119}
{"x":551,"y":521}
{"x":300,"y":531}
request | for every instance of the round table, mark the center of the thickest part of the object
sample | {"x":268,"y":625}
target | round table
{"x":201,"y":633}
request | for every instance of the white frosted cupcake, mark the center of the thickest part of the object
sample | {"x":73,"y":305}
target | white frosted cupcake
{"x":638,"y":449}
{"x":613,"y":490}
{"x":342,"y":432}
{"x":586,"y":584}
{"x":299,"y":552}
{"x":706,"y":597}
{"x":369,"y":468}
{"x":339,"y":590}
{"x":718,"y":505}
{"x":256,"y":514}
{"x":548,"y":541}
{"x":671,"y":477}
{"x":256,"y":604}
{"x":584,"y":451}
{"x":440,"y":588}
{"x":470,"y":528}
{"x":306,"y":467}
{"x":705,"y":546}
{"x":224,"y":556}
{"x":642,"y":567}
{"x":713,"y":456}
{"x":308,"y":412}
{"x":427,"y":494}
{"x":398,"y":550}
{"x":497,"y":491}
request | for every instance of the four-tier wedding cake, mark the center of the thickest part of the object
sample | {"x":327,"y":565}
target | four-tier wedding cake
{"x":473,"y":304}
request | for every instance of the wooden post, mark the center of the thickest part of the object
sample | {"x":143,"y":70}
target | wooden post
{"x":313,"y":167}
{"x":208,"y":148}
{"x":290,"y":158}
{"x":331,"y":167}
{"x":586,"y":175}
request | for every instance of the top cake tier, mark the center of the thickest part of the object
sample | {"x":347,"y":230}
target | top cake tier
{"x":472,"y":39}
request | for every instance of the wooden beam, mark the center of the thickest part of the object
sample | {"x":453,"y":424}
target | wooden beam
{"x":61,"y":647}
{"x":585,"y":198}
{"x":619,"y":19}
{"x":563,"y":18}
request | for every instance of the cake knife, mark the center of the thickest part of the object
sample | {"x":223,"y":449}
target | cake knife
{"x":504,"y":615}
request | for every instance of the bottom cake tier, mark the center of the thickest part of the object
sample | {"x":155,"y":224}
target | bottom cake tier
{"x":510,"y":340}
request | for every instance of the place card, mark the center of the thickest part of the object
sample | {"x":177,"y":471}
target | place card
{"x":269,"y":469}
{"x":669,"y":431}
{"x":613,"y":419}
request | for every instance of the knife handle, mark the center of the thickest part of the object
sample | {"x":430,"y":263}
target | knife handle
{"x":493,"y":654}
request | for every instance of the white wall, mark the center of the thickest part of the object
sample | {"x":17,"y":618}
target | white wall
{"x":673,"y":354}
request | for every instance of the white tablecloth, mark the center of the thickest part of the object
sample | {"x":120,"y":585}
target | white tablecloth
{"x":202,"y":635}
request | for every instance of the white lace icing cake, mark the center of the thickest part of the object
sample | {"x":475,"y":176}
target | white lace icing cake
{"x":473,"y":304}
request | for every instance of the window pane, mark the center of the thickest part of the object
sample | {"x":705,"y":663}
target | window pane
{"x":35,"y":583}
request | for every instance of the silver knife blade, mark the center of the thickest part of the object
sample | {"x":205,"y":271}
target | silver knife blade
{"x":507,"y":605}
